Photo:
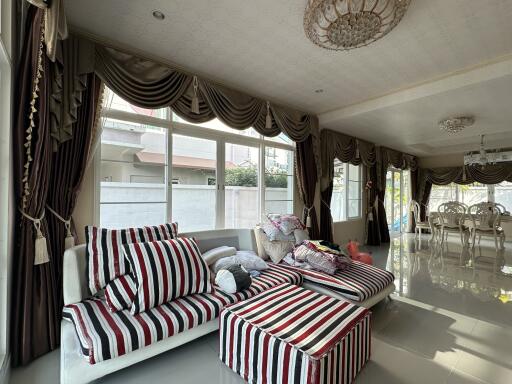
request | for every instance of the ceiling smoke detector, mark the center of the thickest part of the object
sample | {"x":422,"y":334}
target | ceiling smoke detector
{"x":158,"y":15}
{"x":456,"y":124}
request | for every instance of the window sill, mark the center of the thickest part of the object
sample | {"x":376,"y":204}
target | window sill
{"x":348,"y":220}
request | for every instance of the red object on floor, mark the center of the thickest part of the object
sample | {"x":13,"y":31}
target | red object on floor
{"x":353,"y":251}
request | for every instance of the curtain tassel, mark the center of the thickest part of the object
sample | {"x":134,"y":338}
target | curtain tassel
{"x":69,"y":240}
{"x":268,"y":119}
{"x":40,"y":247}
{"x":194,"y":108}
{"x":307,"y":214}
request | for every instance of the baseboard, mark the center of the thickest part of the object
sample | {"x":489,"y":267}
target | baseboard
{"x":5,"y":368}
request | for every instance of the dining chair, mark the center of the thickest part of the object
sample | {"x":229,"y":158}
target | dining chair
{"x":420,"y":225}
{"x":486,"y":218}
{"x":502,"y":209}
{"x":451,"y":220}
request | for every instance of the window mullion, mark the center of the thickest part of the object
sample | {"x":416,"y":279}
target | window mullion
{"x":347,"y":186}
{"x":261,"y":181}
{"x":220,"y":214}
{"x":168,"y":176}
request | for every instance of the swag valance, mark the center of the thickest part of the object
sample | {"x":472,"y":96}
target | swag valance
{"x":148,"y":84}
{"x":347,"y":149}
{"x":489,"y":174}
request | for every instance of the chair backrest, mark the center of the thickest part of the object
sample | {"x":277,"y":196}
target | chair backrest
{"x":416,"y":210}
{"x":502,"y":208}
{"x":452,"y":213}
{"x":485,"y":215}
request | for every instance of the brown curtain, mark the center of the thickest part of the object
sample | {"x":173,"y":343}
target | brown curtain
{"x":372,"y":218}
{"x":307,"y":178}
{"x":347,"y":149}
{"x":68,"y":168}
{"x":489,"y":174}
{"x":148,"y":84}
{"x":326,"y":230}
{"x":35,"y":309}
{"x":411,"y":224}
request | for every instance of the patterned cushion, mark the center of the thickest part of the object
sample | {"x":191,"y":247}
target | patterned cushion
{"x":104,"y":335}
{"x":120,"y":292}
{"x":104,"y":253}
{"x":165,"y":270}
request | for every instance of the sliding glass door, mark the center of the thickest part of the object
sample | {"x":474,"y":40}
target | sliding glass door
{"x":397,"y":199}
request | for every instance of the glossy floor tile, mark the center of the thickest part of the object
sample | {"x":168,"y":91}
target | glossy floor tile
{"x":450,"y":321}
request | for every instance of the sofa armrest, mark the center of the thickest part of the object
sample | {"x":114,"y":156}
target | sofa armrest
{"x":75,"y":285}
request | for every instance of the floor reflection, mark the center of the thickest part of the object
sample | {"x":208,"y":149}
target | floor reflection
{"x":477,"y":283}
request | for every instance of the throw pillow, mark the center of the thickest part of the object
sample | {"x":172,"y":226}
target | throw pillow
{"x":274,"y":233}
{"x":120,"y":292}
{"x":233,"y":279}
{"x":247,"y":259}
{"x":276,"y":250}
{"x":104,"y":250}
{"x":165,"y":270}
{"x":215,"y":254}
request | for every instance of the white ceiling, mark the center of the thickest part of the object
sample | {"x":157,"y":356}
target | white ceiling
{"x":260,"y":47}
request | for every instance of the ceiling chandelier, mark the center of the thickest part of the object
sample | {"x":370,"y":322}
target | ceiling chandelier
{"x":483,"y":157}
{"x":456,"y":124}
{"x":342,"y":25}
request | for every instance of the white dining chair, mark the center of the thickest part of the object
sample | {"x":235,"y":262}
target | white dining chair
{"x":486,"y":218}
{"x":451,"y":220}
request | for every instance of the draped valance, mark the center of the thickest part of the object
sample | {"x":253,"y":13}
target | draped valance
{"x":347,"y":149}
{"x":489,"y":174}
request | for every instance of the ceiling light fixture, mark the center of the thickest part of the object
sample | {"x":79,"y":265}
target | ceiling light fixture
{"x":319,"y":90}
{"x":456,"y":124}
{"x":158,"y":15}
{"x":342,"y":25}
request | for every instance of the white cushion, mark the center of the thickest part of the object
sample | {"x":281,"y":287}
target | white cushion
{"x":215,"y":254}
{"x":276,"y":250}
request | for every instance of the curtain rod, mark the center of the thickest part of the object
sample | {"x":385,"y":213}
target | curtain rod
{"x":160,"y":60}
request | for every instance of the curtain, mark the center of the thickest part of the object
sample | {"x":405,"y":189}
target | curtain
{"x":411,"y":224}
{"x":34,"y":324}
{"x":372,"y":217}
{"x":489,"y":174}
{"x":307,"y":178}
{"x":68,"y":168}
{"x":347,"y":149}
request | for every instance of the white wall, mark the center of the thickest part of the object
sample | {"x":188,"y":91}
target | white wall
{"x":6,"y":181}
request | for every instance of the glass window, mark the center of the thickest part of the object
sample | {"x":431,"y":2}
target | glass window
{"x":214,"y":180}
{"x":242,"y":191}
{"x":194,"y":183}
{"x":473,"y":193}
{"x":503,"y":194}
{"x":278,"y":180}
{"x":132,"y":174}
{"x":117,"y":103}
{"x":218,"y":125}
{"x":441,"y":194}
{"x":346,"y":195}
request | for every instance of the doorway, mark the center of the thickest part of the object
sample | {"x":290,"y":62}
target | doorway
{"x":397,"y":199}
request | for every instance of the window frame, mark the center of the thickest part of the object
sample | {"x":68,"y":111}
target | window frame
{"x":458,"y":193}
{"x":188,"y":129}
{"x":346,"y":192}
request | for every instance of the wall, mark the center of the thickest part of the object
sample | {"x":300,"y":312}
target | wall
{"x":452,"y":160}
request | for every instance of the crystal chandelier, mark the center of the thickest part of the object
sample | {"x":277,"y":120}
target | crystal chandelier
{"x":342,"y":25}
{"x":482,"y":157}
{"x":456,"y":124}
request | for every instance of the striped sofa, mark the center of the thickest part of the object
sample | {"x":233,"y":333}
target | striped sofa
{"x":96,"y":342}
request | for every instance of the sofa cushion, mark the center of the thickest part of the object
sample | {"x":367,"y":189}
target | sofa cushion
{"x":120,"y":293}
{"x":105,"y":335}
{"x":358,"y":283}
{"x":104,"y":250}
{"x":165,"y":270}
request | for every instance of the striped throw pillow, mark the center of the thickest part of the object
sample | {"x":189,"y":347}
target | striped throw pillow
{"x":104,"y":250}
{"x":120,"y":292}
{"x":165,"y":270}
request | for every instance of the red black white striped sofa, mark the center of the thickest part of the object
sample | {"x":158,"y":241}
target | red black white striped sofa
{"x":96,"y":342}
{"x":361,"y":284}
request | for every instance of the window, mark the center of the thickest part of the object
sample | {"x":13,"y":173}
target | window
{"x":346,"y":195}
{"x":154,"y":167}
{"x":471,"y":194}
{"x":278,"y":180}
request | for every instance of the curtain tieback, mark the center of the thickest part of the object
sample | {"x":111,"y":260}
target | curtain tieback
{"x":194,"y":107}
{"x":69,"y":240}
{"x":41,"y":249}
{"x":307,"y":214}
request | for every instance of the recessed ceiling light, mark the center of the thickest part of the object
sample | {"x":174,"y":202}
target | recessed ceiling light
{"x":158,"y":15}
{"x":319,"y":90}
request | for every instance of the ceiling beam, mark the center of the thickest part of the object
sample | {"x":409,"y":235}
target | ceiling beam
{"x":469,"y":76}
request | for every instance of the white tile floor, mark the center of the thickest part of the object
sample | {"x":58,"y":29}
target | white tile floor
{"x":449,"y":322}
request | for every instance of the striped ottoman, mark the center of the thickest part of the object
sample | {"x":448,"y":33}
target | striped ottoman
{"x":289,"y":334}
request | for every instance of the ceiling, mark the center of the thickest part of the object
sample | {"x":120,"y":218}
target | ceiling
{"x":260,"y":47}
